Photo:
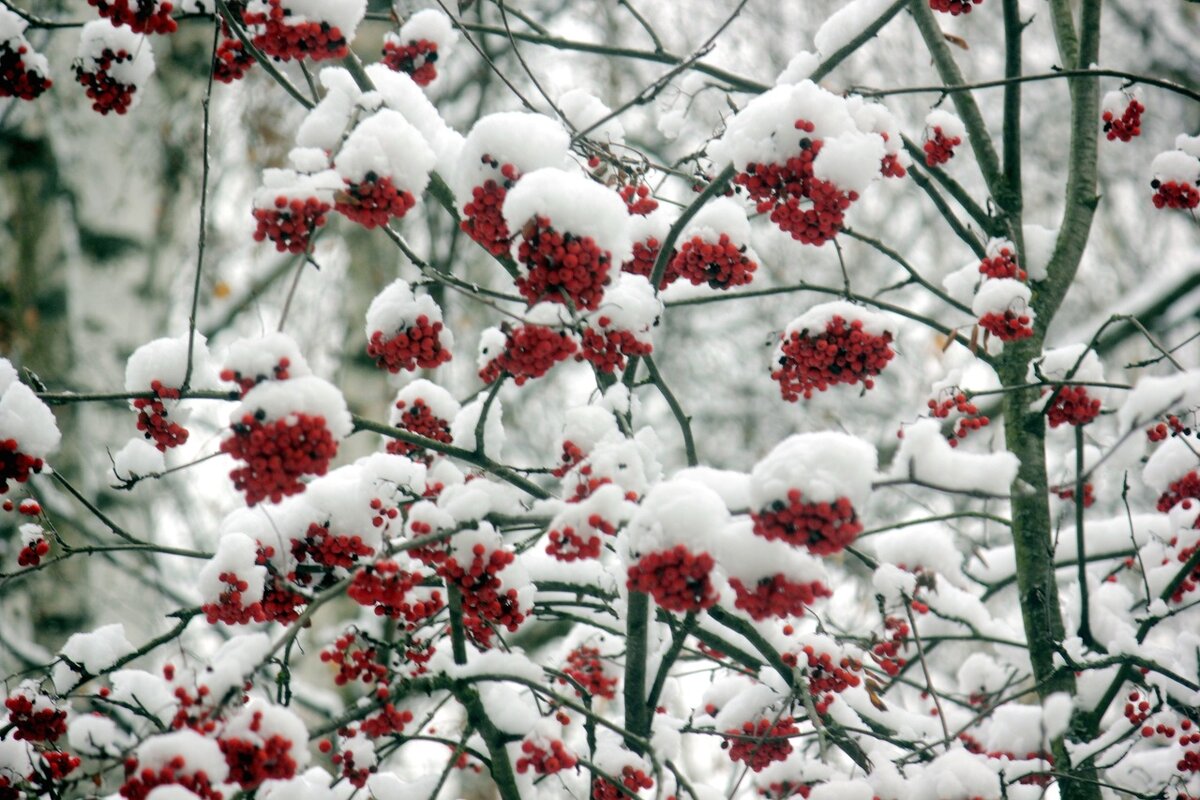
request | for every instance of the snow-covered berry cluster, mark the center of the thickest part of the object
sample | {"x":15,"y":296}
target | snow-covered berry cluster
{"x":631,"y":778}
{"x":424,"y":408}
{"x":544,"y":760}
{"x":392,"y":592}
{"x":1001,"y":307}
{"x":954,"y":7}
{"x":415,"y":49}
{"x":24,"y":73}
{"x":830,"y":344}
{"x":620,"y":328}
{"x":273,"y":357}
{"x":586,"y":667}
{"x":293,"y":203}
{"x":943,"y":132}
{"x":405,"y":330}
{"x":758,"y":744}
{"x":385,"y":164}
{"x":112,"y":64}
{"x":287,"y":30}
{"x":1176,"y":175}
{"x":969,"y":419}
{"x":524,"y":351}
{"x":232,"y":60}
{"x":141,"y":16}
{"x":33,"y":716}
{"x":1070,"y":404}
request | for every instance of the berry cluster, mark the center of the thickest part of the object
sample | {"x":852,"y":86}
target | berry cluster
{"x":638,"y":200}
{"x":1072,"y":406}
{"x":355,"y":659}
{"x":632,"y":779}
{"x":1174,"y":194}
{"x":529,"y":352}
{"x":34,"y":721}
{"x":827,"y":679}
{"x":373,"y":201}
{"x":483,"y":218}
{"x":1173,"y":427}
{"x":678,"y":579}
{"x":571,"y":457}
{"x":1010,"y":326}
{"x":15,"y":465}
{"x":106,"y":93}
{"x":419,"y":419}
{"x":357,"y":776}
{"x":586,"y":669}
{"x":938,"y":147}
{"x":1183,"y":491}
{"x":33,"y":552}
{"x":887,"y":652}
{"x":291,"y":223}
{"x":324,"y":549}
{"x":782,"y":188}
{"x":608,"y":349}
{"x":561,"y":267}
{"x":232,"y":60}
{"x":482,"y":595}
{"x":247,"y":382}
{"x":824,"y":528}
{"x":385,"y":587}
{"x":843,"y":354}
{"x":720,"y":264}
{"x":1003,"y":264}
{"x":576,"y":544}
{"x":418,"y":345}
{"x":971,"y":419}
{"x":1068,"y":493}
{"x":152,"y":418}
{"x":417,"y":59}
{"x":16,"y":79}
{"x":279,"y":603}
{"x":139,"y":783}
{"x":278,"y":454}
{"x":1128,"y":125}
{"x":954,"y":7}
{"x":251,"y":763}
{"x":1190,"y":581}
{"x":543,"y":761}
{"x":758,"y":744}
{"x":776,"y":596}
{"x":389,"y":721}
{"x":284,"y":39}
{"x":142,"y":16}
{"x":642,"y":262}
{"x":890,"y":166}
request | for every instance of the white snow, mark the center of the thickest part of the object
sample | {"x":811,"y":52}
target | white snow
{"x":823,"y":466}
{"x":462,"y":427}
{"x":1153,"y":396}
{"x":997,"y":295}
{"x":433,"y":26}
{"x":100,"y":35}
{"x":28,"y":420}
{"x":926,"y":456}
{"x":439,"y":401}
{"x":527,"y":141}
{"x":951,"y":126}
{"x":847,"y":22}
{"x":387,"y":145}
{"x":574,"y":204}
{"x":397,"y":308}
{"x":308,"y":395}
{"x":137,"y":459}
{"x":583,"y":110}
{"x":165,"y":360}
{"x":92,"y":651}
{"x":1176,"y":165}
{"x":798,"y":68}
{"x":237,"y":554}
{"x":257,"y":357}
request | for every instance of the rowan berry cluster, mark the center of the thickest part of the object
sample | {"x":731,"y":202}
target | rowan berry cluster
{"x":1068,"y":493}
{"x":1172,"y":427}
{"x":1192,"y":579}
{"x":1182,"y":491}
{"x":16,"y":78}
{"x":823,"y":527}
{"x":576,"y":544}
{"x":291,"y":223}
{"x":938,"y":147}
{"x":15,"y":465}
{"x":484,"y":598}
{"x":483,"y":217}
{"x":543,"y":761}
{"x":386,"y":587}
{"x":826,"y":679}
{"x":374,"y":201}
{"x":389,"y":721}
{"x":954,"y":7}
{"x":277,"y":454}
{"x":585,"y":667}
{"x":322,"y":548}
{"x":776,"y":596}
{"x":642,"y":262}
{"x":1126,"y":126}
{"x":1072,"y":406}
{"x":971,"y":419}
{"x":250,"y":763}
{"x":142,"y":16}
{"x":844,"y":353}
{"x":247,"y":382}
{"x":677,"y":579}
{"x":720,"y":264}
{"x":283,"y":34}
{"x":34,"y":719}
{"x":232,"y":60}
{"x":561,"y":267}
{"x":1010,"y":326}
{"x":571,"y":457}
{"x":417,"y":58}
{"x":139,"y":783}
{"x":632,"y":779}
{"x":607,"y":350}
{"x":33,"y":552}
{"x":417,"y":346}
{"x":1174,"y":194}
{"x":1002,"y":264}
{"x":419,"y":419}
{"x":887,"y":652}
{"x":637,"y":199}
{"x":106,"y":93}
{"x":529,"y":352}
{"x":757,"y":744}
{"x":355,"y":658}
{"x":783,"y":188}
{"x":152,"y":418}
